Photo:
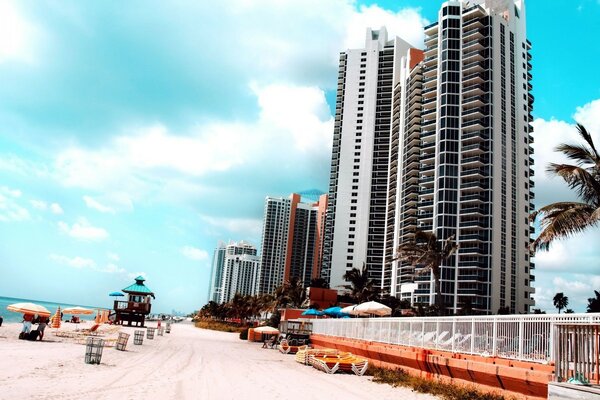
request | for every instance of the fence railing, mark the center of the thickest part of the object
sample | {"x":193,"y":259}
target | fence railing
{"x":576,"y":352}
{"x":521,"y":337}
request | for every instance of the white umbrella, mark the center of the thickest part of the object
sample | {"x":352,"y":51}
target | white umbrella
{"x":350,"y":310}
{"x":29,"y":308}
{"x":78,"y":311}
{"x":373,"y":307}
{"x":266,"y":330}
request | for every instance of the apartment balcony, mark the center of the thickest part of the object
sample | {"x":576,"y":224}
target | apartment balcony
{"x":473,"y":45}
{"x":474,"y":55}
{"x":425,"y":227}
{"x":473,"y":211}
{"x":475,"y":89}
{"x":427,"y":158}
{"x":429,"y":39}
{"x":473,"y":113}
{"x":479,"y":185}
{"x":473,"y":125}
{"x":472,"y":78}
{"x":473,"y":237}
{"x":428,"y":123}
{"x":473,"y":66}
{"x":431,"y":29}
{"x":431,"y":50}
{"x":475,"y":198}
{"x":474,"y":137}
{"x":472,"y":34}
{"x":474,"y":149}
{"x":473,"y":161}
{"x":473,"y":172}
{"x":471,"y":24}
{"x":427,"y":167}
{"x":472,"y":223}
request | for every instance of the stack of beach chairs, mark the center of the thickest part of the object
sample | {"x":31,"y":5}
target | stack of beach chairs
{"x":332,"y":361}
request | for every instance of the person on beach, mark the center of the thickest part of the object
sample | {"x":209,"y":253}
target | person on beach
{"x":27,"y":319}
{"x":1,"y":320}
{"x":43,"y":322}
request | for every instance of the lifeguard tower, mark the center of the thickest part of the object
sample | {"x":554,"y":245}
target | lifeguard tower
{"x":137,"y":305}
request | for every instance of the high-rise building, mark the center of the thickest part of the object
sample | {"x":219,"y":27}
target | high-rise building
{"x":291,"y":241}
{"x":459,"y":163}
{"x":235,"y":270}
{"x":216,"y":273}
{"x":355,"y":227}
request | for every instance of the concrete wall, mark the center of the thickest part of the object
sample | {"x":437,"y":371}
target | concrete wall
{"x":523,"y":380}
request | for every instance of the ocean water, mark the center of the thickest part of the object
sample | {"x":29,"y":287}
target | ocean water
{"x":10,"y":316}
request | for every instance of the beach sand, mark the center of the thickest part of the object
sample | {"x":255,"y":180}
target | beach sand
{"x":188,"y":363}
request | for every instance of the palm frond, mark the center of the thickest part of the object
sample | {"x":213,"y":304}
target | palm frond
{"x":578,"y":153}
{"x":561,"y":221}
{"x":579,"y":179}
{"x":588,"y":139}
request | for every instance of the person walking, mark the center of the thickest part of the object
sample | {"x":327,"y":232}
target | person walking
{"x":43,"y":322}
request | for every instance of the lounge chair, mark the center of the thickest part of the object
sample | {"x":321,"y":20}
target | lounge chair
{"x":346,"y":362}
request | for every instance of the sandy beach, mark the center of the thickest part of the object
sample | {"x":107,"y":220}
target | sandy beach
{"x":188,"y":363}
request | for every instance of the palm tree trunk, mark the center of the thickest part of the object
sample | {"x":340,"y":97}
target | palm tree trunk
{"x":438,"y":295}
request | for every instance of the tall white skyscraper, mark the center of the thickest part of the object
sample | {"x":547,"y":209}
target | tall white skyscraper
{"x":459,"y":161}
{"x":216,"y":272}
{"x":354,"y":231}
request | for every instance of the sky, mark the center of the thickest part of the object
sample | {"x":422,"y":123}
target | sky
{"x":136,"y":135}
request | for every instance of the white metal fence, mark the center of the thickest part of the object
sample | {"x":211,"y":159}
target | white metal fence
{"x":521,"y":337}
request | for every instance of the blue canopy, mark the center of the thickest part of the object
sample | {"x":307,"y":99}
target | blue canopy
{"x":116,"y":294}
{"x":334,"y":312}
{"x":312,"y":311}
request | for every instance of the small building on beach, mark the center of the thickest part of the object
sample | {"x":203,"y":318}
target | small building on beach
{"x":137,"y":306}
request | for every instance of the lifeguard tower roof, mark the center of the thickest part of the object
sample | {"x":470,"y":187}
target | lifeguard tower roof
{"x":139,"y":288}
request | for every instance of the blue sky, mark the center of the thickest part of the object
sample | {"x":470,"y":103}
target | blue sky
{"x":134,"y":136}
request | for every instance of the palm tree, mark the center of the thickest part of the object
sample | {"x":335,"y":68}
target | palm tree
{"x":425,"y":251}
{"x":361,"y":287}
{"x":295,"y":292}
{"x":594,"y":303}
{"x":563,"y":219}
{"x":560,"y":301}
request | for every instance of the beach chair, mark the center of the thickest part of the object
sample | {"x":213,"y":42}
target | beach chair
{"x":344,"y":362}
{"x":91,"y":331}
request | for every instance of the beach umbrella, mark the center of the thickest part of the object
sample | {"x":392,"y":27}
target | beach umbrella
{"x":29,"y":308}
{"x":78,"y":311}
{"x":267,"y":330}
{"x":313,"y":312}
{"x":55,"y":320}
{"x":373,"y":308}
{"x":116,"y":294}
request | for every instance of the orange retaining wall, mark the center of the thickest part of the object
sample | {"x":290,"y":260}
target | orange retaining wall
{"x":524,"y":380}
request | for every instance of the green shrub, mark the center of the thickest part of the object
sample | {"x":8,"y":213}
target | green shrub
{"x":446,"y":391}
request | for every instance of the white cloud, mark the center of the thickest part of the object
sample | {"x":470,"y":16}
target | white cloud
{"x":571,"y":265}
{"x":87,"y":263}
{"x":96,"y":205}
{"x":113,"y":269}
{"x":56,"y":208}
{"x":10,"y":209}
{"x":113,"y":256}
{"x":39,"y":204}
{"x":241,"y":226}
{"x":194,"y":253}
{"x":407,"y":24}
{"x":74,"y":262}
{"x":293,"y":127}
{"x":16,"y":34}
{"x":82,"y":229}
